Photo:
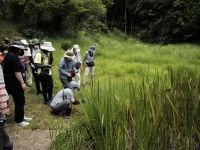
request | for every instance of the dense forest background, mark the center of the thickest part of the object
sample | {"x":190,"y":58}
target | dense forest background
{"x":160,"y":21}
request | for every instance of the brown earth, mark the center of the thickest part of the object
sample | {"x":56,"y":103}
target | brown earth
{"x":26,"y":139}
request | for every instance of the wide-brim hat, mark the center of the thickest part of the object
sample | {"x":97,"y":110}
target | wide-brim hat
{"x":24,"y":42}
{"x":77,"y":47}
{"x":47,"y":46}
{"x":18,"y":46}
{"x":69,"y":53}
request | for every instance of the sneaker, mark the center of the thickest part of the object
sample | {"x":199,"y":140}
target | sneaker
{"x":27,"y":118}
{"x":23,"y":123}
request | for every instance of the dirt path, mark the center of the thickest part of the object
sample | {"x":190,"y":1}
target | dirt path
{"x":26,"y":139}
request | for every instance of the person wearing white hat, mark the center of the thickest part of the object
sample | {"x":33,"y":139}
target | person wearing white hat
{"x":25,"y":59}
{"x":78,"y":62}
{"x":41,"y":61}
{"x":67,"y":70}
{"x":14,"y":82}
{"x":89,"y":64}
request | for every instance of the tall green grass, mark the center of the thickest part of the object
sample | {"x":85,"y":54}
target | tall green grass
{"x":146,"y":96}
{"x":153,"y":113}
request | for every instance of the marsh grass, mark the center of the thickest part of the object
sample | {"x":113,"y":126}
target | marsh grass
{"x":157,"y":113}
{"x":146,"y":96}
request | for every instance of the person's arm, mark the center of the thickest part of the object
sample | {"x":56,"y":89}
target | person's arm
{"x":20,"y":79}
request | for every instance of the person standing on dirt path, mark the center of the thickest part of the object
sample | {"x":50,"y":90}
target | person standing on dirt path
{"x":34,"y":45}
{"x":14,"y":82}
{"x":41,"y":62}
{"x":67,"y":70}
{"x":89,"y":60}
{"x":78,"y":62}
{"x":5,"y":142}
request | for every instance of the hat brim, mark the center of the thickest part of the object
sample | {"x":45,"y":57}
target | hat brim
{"x":18,"y":46}
{"x":78,"y":49}
{"x":50,"y":49}
{"x":67,"y":56}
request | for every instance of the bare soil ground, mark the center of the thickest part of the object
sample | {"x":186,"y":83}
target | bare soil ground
{"x":27,"y":139}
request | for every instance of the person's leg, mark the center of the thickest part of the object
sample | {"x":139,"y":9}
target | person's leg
{"x":64,"y":82}
{"x":77,"y":77}
{"x":50,"y":87}
{"x":1,"y":133}
{"x":37,"y":80}
{"x":29,"y":74}
{"x":92,"y":69}
{"x":60,"y":107}
{"x":19,"y":100}
{"x":7,"y":144}
{"x":85,"y":75}
{"x":44,"y":82}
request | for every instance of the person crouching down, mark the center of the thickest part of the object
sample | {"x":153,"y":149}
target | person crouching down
{"x":41,"y":61}
{"x":61,"y":104}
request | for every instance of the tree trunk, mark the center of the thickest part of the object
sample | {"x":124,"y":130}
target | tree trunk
{"x":125,"y":18}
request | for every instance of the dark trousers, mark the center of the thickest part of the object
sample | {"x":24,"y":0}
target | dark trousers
{"x":5,"y":143}
{"x":62,"y":108}
{"x":19,"y":99}
{"x":47,"y":86}
{"x":37,"y":80}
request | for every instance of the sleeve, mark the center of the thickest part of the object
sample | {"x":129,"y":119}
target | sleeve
{"x":16,"y":65}
{"x":74,"y":67}
{"x":61,"y":67}
{"x":85,"y":57}
{"x":38,"y":58}
{"x":79,"y":58}
{"x":51,"y":58}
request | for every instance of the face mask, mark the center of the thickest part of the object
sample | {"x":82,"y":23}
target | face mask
{"x":68,"y":59}
{"x":21,"y":52}
{"x":91,"y":54}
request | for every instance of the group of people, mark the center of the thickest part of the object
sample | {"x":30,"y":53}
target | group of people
{"x":22,"y":60}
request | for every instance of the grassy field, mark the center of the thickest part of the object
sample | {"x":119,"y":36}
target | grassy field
{"x":146,"y":96}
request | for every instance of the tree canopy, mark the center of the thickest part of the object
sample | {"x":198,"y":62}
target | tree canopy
{"x":163,"y":21}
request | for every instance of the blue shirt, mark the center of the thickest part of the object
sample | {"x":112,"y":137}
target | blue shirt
{"x":66,"y":66}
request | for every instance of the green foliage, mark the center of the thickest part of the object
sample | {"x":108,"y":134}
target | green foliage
{"x":54,"y":16}
{"x":146,"y":96}
{"x":168,"y":21}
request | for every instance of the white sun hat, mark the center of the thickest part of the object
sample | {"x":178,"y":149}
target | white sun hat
{"x":77,"y":47}
{"x":18,"y":46}
{"x":47,"y":46}
{"x":24,"y":42}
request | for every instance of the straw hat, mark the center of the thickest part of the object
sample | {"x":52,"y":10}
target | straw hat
{"x":69,"y":53}
{"x":47,"y":46}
